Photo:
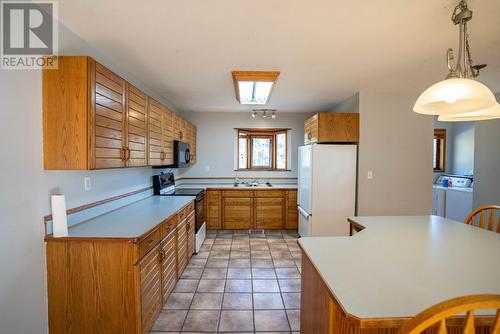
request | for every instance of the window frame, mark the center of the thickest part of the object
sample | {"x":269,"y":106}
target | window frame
{"x":440,"y":158}
{"x":249,"y":134}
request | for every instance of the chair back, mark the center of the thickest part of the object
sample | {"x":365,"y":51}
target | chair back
{"x":437,"y":314}
{"x":485,"y":217}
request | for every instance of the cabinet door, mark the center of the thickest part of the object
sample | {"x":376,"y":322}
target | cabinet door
{"x":149,"y":269}
{"x":190,"y":228}
{"x":269,"y":213}
{"x":213,"y":210}
{"x":168,"y":264}
{"x":136,"y":128}
{"x":311,"y":130}
{"x":109,"y":136}
{"x":155,"y":142}
{"x":292,"y":214}
{"x":338,"y":127}
{"x":193,"y":144}
{"x":168,"y":136}
{"x":181,"y":247}
{"x":177,"y":120}
{"x":237,"y":213}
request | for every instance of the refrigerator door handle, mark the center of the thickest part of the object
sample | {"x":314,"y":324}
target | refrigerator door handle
{"x":303,"y":212}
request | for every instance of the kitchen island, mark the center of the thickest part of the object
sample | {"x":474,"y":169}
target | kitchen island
{"x":391,"y":270}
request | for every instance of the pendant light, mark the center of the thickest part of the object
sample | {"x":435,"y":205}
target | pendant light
{"x":459,"y":97}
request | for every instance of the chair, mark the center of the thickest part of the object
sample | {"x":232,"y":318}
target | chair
{"x":438,"y":314}
{"x":481,"y":212}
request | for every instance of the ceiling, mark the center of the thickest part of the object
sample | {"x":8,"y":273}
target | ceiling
{"x":326,"y":50}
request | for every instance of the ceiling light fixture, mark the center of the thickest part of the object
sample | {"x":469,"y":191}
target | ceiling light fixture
{"x":459,"y":97}
{"x":254,"y":114}
{"x":264,"y":115}
{"x":264,"y":112}
{"x":254,"y":87}
{"x":274,"y":114}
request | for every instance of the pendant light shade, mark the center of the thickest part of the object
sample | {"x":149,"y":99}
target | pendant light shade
{"x":482,"y":115}
{"x":455,"y":96}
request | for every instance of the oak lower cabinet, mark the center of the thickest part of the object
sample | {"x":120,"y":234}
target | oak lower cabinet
{"x":292,"y":213}
{"x":269,"y":213}
{"x":332,"y":127}
{"x":116,"y":285}
{"x":150,"y":285}
{"x":251,"y":209}
{"x":237,"y":213}
{"x":182,"y":252}
{"x":213,"y":209}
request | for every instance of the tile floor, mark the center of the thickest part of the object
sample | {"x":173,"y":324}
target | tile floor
{"x":239,"y":282}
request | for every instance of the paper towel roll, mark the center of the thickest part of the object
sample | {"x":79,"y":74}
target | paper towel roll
{"x":59,"y":218}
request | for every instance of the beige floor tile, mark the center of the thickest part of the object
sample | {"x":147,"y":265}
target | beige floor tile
{"x":201,"y":321}
{"x":170,"y":321}
{"x":179,"y":301}
{"x":238,"y":285}
{"x":236,"y":321}
{"x":267,"y":301}
{"x":207,"y":301}
{"x":237,"y":301}
{"x":211,"y":285}
{"x":292,"y":300}
{"x":267,"y":285}
{"x":271,"y":320}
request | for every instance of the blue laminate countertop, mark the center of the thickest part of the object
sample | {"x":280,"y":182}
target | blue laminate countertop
{"x":131,"y":221}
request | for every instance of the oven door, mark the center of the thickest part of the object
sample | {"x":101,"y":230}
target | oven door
{"x":200,"y":212}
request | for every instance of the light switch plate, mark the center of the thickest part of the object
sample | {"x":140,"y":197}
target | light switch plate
{"x":86,"y":183}
{"x":207,"y":168}
{"x":369,"y":175}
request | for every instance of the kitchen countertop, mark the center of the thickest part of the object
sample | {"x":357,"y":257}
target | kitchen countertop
{"x":399,"y":266}
{"x":231,"y":186}
{"x":130,"y":221}
{"x":467,"y":190}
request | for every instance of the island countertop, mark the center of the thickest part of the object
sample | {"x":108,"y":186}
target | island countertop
{"x":398,"y":266}
{"x":130,"y":221}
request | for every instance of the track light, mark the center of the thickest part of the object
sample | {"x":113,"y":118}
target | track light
{"x":264,"y":113}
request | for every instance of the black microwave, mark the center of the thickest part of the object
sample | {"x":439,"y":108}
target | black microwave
{"x":182,"y":154}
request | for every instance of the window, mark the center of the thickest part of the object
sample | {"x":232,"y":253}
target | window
{"x":439,"y":150}
{"x":262,"y":149}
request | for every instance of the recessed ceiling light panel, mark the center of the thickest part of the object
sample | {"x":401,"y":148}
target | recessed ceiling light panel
{"x":254,"y":87}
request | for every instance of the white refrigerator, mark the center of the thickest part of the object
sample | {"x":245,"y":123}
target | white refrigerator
{"x":327,"y":189}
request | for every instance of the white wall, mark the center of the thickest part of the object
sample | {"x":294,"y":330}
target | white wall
{"x":487,"y":162}
{"x":216,"y":139}
{"x":396,"y":144}
{"x":459,"y":146}
{"x":25,"y":189}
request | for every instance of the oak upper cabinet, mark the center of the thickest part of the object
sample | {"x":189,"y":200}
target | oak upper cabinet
{"x":332,"y":127}
{"x":136,"y":128}
{"x":213,"y":209}
{"x":191,"y":139}
{"x":168,"y":136}
{"x":92,"y":118}
{"x":292,"y":213}
{"x":155,"y":115}
{"x":179,"y":128}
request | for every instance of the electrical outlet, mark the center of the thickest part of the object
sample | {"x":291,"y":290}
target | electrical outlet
{"x":207,"y":168}
{"x":86,"y":183}
{"x":369,"y":175}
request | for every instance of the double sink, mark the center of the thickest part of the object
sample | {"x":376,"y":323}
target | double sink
{"x":254,"y":184}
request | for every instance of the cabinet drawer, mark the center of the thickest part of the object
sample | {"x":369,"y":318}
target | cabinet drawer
{"x":149,"y":242}
{"x":237,"y":193}
{"x":269,"y":201}
{"x":268,"y":193}
{"x":168,"y":225}
{"x":188,"y":209}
